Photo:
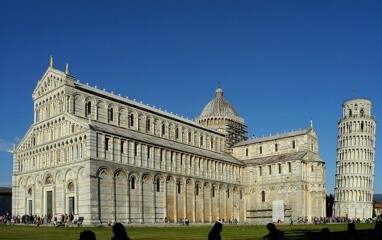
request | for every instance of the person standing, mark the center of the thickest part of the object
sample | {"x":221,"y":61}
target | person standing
{"x":274,"y":233}
{"x":119,"y":232}
{"x":214,"y":234}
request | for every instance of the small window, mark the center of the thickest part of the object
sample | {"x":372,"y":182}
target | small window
{"x":270,"y":169}
{"x":260,"y":171}
{"x":179,"y":188}
{"x":148,"y":124}
{"x":289,"y":167}
{"x":213,"y":191}
{"x":135,"y":149}
{"x":263,"y":196}
{"x":294,"y":144}
{"x":246,"y":152}
{"x":189,"y":137}
{"x":197,"y":190}
{"x":148,"y":152}
{"x":201,"y":140}
{"x":227,"y":193}
{"x":276,"y":147}
{"x":163,"y":129}
{"x":88,"y":108}
{"x":132,"y":182}
{"x":362,"y":112}
{"x":158,"y":185}
{"x":107,"y":140}
{"x":176,"y":133}
{"x":261,"y":150}
{"x":110,"y":114}
{"x":279,"y":168}
{"x":122,"y":145}
{"x":312,"y":168}
{"x":131,"y":120}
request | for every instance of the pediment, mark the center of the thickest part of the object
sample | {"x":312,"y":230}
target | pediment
{"x":51,"y":80}
{"x":29,"y":140}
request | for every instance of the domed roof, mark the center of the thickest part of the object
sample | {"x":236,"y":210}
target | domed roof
{"x":218,"y":107}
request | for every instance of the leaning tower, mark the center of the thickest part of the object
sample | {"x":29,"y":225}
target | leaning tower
{"x":354,"y":184}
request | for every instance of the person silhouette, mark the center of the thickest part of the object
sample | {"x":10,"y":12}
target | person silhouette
{"x":274,"y":233}
{"x":326,"y":234}
{"x":119,"y":232}
{"x":87,"y":235}
{"x":378,"y":230}
{"x":214,"y":234}
{"x":352,"y":232}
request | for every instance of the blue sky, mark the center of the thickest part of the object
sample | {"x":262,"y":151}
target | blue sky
{"x":280,"y":63}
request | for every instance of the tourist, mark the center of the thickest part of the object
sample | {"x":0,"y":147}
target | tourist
{"x":119,"y":232}
{"x":326,"y":234}
{"x":378,"y":230}
{"x":274,"y":233}
{"x":214,"y":234}
{"x":87,"y":235}
{"x":352,"y":232}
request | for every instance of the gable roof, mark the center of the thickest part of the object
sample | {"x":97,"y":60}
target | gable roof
{"x":51,"y":79}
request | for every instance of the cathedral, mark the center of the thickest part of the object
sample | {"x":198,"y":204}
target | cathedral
{"x":106,"y":158}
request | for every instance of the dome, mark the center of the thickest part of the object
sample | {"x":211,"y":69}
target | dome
{"x":218,"y":107}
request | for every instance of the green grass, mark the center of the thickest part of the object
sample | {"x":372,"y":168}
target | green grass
{"x":180,"y":232}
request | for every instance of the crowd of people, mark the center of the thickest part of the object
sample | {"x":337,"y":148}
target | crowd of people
{"x":323,"y":220}
{"x":120,"y":233}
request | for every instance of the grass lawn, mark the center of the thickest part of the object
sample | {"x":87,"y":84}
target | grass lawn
{"x":181,"y":232}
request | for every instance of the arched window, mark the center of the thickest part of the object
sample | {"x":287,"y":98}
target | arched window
{"x":49,"y":180}
{"x":197,"y":189}
{"x":71,"y":187}
{"x":179,"y":188}
{"x":263,"y":196}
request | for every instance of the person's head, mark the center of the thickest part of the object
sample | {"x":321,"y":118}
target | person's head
{"x":271,"y":227}
{"x":325,"y":233}
{"x":87,"y":235}
{"x":119,"y":229}
{"x":217,"y":227}
{"x":351,"y":227}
